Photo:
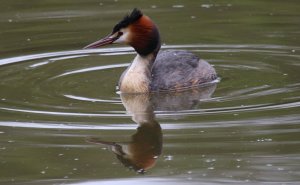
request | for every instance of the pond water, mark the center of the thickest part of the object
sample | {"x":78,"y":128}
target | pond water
{"x":62,"y":121}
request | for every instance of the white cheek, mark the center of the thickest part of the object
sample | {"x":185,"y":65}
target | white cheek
{"x":123,"y":38}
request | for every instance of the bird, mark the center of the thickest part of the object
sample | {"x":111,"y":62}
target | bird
{"x":154,"y":70}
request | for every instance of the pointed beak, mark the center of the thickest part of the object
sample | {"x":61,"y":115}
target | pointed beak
{"x":102,"y":42}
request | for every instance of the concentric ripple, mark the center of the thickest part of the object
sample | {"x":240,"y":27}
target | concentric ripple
{"x":81,"y":83}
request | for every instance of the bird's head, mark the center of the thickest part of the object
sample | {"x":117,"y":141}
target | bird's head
{"x":136,"y":30}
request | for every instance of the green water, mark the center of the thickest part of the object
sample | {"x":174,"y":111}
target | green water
{"x":58,"y":103}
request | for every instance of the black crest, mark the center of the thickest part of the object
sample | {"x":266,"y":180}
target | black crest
{"x":135,"y":15}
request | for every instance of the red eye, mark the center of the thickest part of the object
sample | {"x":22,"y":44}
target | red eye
{"x":120,"y":34}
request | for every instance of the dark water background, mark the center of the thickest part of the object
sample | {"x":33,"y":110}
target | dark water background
{"x":58,"y":102}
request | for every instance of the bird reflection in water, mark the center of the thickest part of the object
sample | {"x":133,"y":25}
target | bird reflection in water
{"x":141,"y":153}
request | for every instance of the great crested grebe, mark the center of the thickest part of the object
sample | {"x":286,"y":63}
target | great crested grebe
{"x":151,"y":70}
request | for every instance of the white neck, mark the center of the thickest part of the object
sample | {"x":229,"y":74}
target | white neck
{"x":137,"y":77}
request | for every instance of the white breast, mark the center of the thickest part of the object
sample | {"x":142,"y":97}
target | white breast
{"x":137,"y":77}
